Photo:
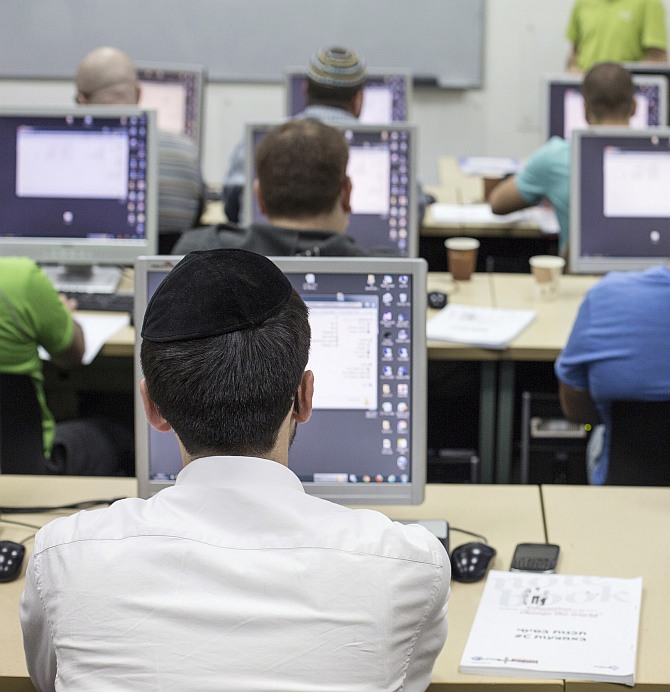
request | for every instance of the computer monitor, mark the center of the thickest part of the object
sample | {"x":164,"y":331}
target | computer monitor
{"x":176,"y":93}
{"x":564,"y":104}
{"x":78,"y":190}
{"x":366,"y":439}
{"x":652,"y":69}
{"x":620,"y":206}
{"x":386,"y":95}
{"x":382,"y":168}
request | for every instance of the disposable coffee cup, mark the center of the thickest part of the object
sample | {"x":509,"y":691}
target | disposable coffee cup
{"x":461,"y":257}
{"x":546,"y":270}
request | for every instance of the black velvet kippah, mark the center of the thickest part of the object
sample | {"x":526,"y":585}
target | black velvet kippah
{"x":213,"y":292}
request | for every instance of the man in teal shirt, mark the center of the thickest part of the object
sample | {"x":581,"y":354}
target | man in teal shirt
{"x":32,"y":314}
{"x":617,"y":31}
{"x":609,"y":99}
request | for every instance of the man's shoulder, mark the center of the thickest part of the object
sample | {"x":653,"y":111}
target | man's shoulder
{"x":223,"y":235}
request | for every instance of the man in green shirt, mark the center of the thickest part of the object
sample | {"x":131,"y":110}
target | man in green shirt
{"x":616,"y":31}
{"x":33,"y":314}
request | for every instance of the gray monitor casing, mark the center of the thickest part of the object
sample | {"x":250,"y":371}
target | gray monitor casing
{"x":347,"y":493}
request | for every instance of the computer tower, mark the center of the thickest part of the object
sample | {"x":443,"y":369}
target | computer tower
{"x":552,"y":450}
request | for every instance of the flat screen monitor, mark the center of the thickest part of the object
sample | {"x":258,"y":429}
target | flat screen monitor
{"x":620,"y":206}
{"x":386,"y":95}
{"x":564,"y":104}
{"x":176,"y":93}
{"x":366,"y":439}
{"x":78,"y":189}
{"x":382,"y":168}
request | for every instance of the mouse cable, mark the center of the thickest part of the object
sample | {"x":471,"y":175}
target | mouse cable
{"x":23,"y":523}
{"x":86,"y":504}
{"x":469,"y":533}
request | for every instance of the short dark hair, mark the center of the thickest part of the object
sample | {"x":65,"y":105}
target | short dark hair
{"x":337,"y":97}
{"x":301,"y":166}
{"x":229,"y":394}
{"x":608,"y":91}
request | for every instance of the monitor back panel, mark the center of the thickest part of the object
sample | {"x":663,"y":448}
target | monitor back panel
{"x":382,"y":168}
{"x":620,"y":206}
{"x":366,"y":439}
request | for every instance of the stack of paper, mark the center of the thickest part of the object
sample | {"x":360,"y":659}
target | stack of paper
{"x":483,"y":327}
{"x":555,"y":626}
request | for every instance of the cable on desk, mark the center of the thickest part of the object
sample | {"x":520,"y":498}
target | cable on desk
{"x":468,"y":533}
{"x":86,"y":504}
{"x":23,"y":523}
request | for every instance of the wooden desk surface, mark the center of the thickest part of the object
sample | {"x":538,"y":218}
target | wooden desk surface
{"x":543,"y":340}
{"x":432,"y":228}
{"x":619,"y":532}
{"x":504,"y":514}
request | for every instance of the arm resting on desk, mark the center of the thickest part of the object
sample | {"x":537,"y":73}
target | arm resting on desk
{"x":506,"y":198}
{"x":577,"y":405}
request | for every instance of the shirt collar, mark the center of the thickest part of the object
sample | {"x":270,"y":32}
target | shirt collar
{"x":234,"y":471}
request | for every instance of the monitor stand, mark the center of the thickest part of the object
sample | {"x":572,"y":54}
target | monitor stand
{"x":84,"y":278}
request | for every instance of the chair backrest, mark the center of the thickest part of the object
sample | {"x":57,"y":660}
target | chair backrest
{"x":640,"y":443}
{"x":21,"y":447}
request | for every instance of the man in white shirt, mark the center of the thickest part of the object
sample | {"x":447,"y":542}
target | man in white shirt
{"x":234,"y":578}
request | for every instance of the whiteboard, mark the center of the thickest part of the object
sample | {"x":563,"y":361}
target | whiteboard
{"x":440,"y":41}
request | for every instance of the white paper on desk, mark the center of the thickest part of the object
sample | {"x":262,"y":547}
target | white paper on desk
{"x":475,"y":326}
{"x":472,"y":213}
{"x":493,"y":166}
{"x":97,"y":329}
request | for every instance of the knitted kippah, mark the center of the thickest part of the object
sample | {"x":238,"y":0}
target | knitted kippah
{"x":336,"y":67}
{"x":212,"y":292}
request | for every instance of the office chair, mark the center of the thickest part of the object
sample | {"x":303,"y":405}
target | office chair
{"x":21,"y":448}
{"x":639,"y":443}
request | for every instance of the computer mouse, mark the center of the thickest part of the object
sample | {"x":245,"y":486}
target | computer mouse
{"x":437,"y":299}
{"x":11,"y":560}
{"x":470,"y":561}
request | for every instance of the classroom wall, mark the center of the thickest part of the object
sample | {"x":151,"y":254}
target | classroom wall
{"x":525,"y":39}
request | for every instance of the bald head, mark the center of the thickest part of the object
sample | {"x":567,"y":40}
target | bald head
{"x":609,"y":94}
{"x":107,"y":76}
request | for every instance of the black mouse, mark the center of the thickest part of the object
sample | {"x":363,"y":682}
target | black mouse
{"x":437,"y":299}
{"x":470,"y":561}
{"x":11,"y":559}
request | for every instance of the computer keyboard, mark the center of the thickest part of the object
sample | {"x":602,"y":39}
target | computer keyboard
{"x":106,"y":302}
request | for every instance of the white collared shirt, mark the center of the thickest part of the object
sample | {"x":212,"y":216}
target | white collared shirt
{"x":234,"y":579}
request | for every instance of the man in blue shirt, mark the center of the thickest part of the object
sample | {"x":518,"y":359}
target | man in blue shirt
{"x":609,"y":99}
{"x":617,"y":350}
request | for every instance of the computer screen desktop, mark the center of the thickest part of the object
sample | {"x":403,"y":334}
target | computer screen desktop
{"x":382,"y":168}
{"x":564,"y":104}
{"x":176,"y":93}
{"x":78,"y":188}
{"x":386,"y":96}
{"x":366,"y":439}
{"x":620,"y":206}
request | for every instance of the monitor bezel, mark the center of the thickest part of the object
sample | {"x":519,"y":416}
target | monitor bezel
{"x":601,"y":265}
{"x":350,"y":493}
{"x":378,"y":72}
{"x":249,"y":199}
{"x":200,"y":73}
{"x":570,"y":80}
{"x":89,"y":251}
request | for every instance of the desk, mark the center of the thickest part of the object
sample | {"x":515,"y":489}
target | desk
{"x":619,"y":532}
{"x":543,"y":340}
{"x":37,"y":491}
{"x":482,"y":509}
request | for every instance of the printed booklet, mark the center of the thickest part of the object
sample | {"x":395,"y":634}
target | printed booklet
{"x":555,"y":626}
